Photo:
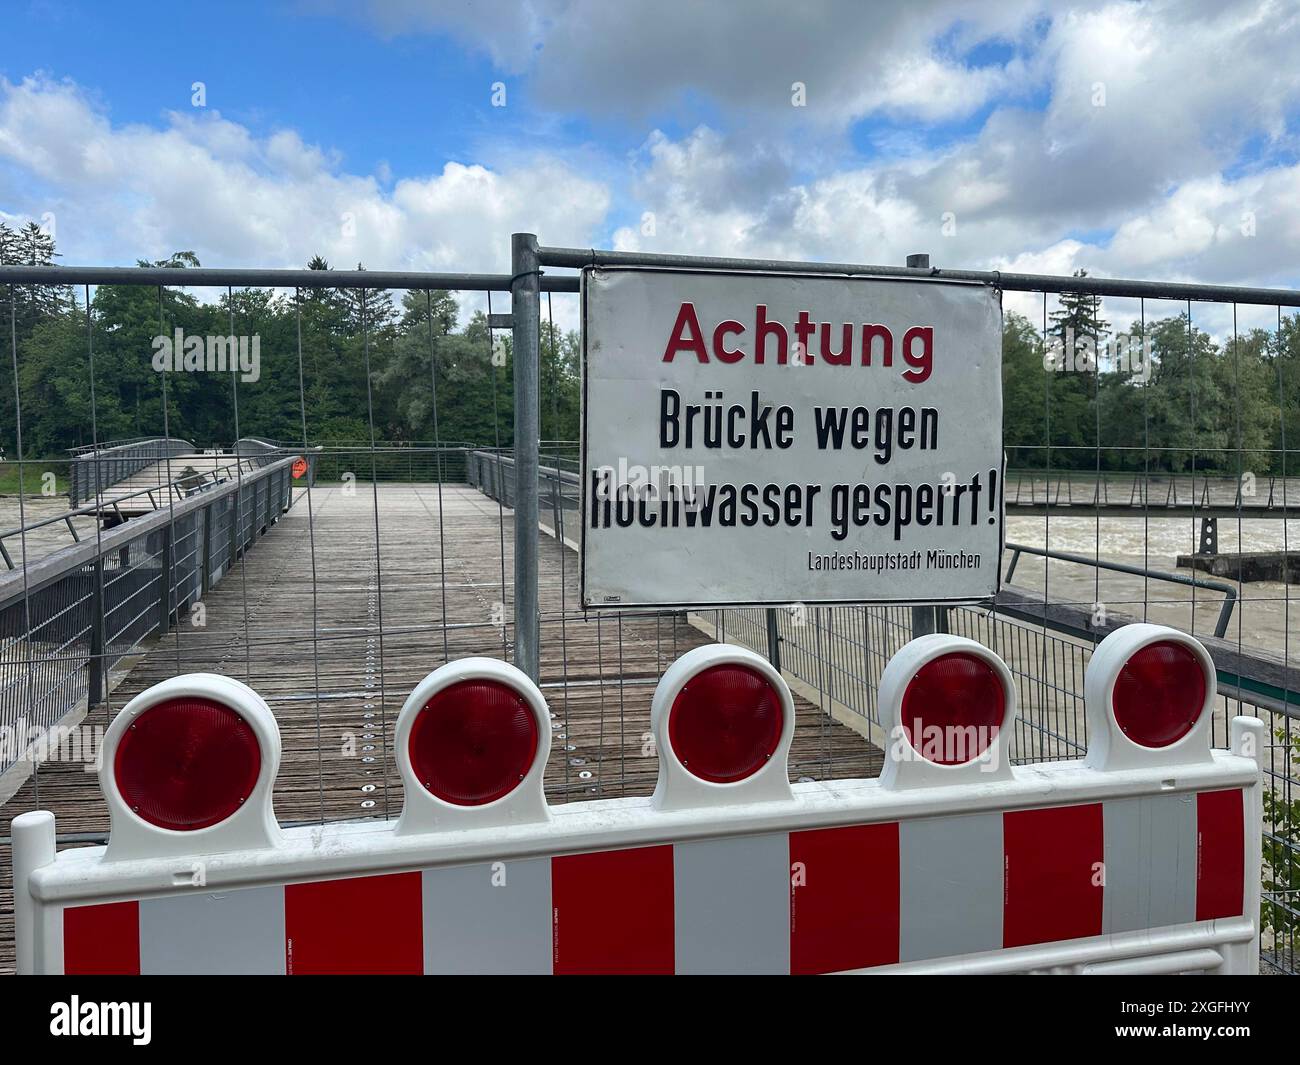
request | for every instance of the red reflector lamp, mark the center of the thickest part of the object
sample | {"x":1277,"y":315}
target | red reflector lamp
{"x":187,"y":763}
{"x":1159,"y":694}
{"x":946,"y":705}
{"x":473,"y":742}
{"x":725,"y":723}
{"x":952,"y":708}
{"x":1149,"y":694}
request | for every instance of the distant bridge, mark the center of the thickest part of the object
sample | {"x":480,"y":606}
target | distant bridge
{"x":1125,"y":495}
{"x":124,"y":479}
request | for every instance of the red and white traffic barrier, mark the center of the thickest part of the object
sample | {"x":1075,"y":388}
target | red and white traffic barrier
{"x":1143,"y":857}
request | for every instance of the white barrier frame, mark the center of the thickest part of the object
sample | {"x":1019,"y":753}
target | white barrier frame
{"x":83,"y":876}
{"x":313,"y":853}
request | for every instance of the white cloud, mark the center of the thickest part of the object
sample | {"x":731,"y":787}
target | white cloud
{"x":637,"y":56}
{"x":207,"y":184}
{"x":1212,"y":230}
{"x":1192,"y":141}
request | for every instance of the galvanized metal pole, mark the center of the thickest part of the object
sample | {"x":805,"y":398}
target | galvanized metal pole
{"x":525,"y":314}
{"x":923,"y":617}
{"x":773,"y":639}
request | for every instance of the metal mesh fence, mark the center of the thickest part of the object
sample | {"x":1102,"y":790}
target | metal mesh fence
{"x":391,"y":557}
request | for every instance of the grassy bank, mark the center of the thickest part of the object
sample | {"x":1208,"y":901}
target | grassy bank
{"x":33,"y":477}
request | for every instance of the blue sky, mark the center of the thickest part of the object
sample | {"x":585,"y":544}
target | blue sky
{"x":365,"y":131}
{"x":269,"y":66}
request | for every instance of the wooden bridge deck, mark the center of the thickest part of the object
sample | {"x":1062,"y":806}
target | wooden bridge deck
{"x":337,"y":709}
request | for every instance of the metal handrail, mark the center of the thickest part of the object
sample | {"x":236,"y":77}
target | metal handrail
{"x":97,"y":507}
{"x":121,"y":460}
{"x":1229,"y":592}
{"x":579,"y":258}
{"x":221,"y":277}
{"x":59,"y":563}
{"x":109,"y":445}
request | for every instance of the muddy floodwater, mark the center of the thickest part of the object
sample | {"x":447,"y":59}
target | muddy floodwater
{"x":1268,"y":616}
{"x":45,"y":540}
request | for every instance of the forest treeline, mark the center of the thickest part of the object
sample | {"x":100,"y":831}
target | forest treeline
{"x":1214,"y":406}
{"x":412,"y":346}
{"x":1183,"y":402}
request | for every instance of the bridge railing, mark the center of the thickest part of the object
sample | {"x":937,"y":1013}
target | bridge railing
{"x":1110,"y":492}
{"x":263,"y":452}
{"x":67,"y":619}
{"x":94,"y":469}
{"x":392,"y":461}
{"x":493,"y":473}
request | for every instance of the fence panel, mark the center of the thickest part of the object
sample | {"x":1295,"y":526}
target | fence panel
{"x":384,"y":582}
{"x":68,"y":620}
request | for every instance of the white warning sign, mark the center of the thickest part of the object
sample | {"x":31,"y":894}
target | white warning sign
{"x":762,"y":438}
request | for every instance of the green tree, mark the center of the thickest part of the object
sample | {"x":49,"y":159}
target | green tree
{"x":1073,"y":391}
{"x":561,"y":383}
{"x":417,"y":366}
{"x":1024,"y":394}
{"x":31,"y":245}
{"x":1246,"y":377}
{"x":1285,"y":364}
{"x":1185,"y":399}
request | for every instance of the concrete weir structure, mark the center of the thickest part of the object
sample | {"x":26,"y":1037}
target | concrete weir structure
{"x":1280,"y":566}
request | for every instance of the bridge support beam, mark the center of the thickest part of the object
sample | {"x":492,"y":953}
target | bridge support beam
{"x":525,"y":314}
{"x":1209,"y":542}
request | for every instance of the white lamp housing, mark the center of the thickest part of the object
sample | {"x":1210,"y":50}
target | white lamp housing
{"x":423,"y":811}
{"x":905,"y":765}
{"x":1108,"y":745}
{"x":677,"y":787}
{"x":252,"y":826}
